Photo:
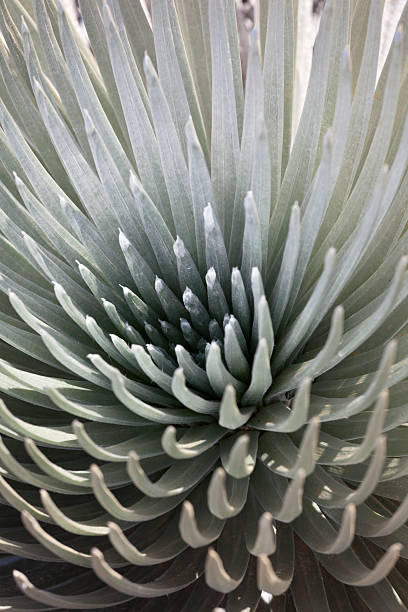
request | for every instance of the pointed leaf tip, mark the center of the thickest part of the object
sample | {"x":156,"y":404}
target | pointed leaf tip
{"x":24,"y":29}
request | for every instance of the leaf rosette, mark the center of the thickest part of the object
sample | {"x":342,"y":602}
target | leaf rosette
{"x":203,"y":314}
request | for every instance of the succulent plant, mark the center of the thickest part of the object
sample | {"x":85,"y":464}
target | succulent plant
{"x":203,"y":310}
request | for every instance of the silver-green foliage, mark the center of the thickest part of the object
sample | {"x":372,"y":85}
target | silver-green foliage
{"x":203,"y":320}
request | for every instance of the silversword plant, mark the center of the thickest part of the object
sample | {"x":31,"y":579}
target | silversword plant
{"x":203,"y":310}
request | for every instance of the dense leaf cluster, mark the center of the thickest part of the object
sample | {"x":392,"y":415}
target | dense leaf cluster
{"x":203,"y":310}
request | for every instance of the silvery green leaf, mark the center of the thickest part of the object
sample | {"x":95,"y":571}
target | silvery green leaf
{"x":217,"y":302}
{"x":188,"y":274}
{"x":284,"y":282}
{"x":225,"y":124}
{"x":93,"y":19}
{"x":138,"y":30}
{"x":174,"y":69}
{"x":215,"y":250}
{"x":172,"y":159}
{"x":136,"y":110}
{"x":88,"y":97}
{"x":203,"y":263}
{"x":194,"y":25}
{"x":59,"y":72}
{"x":274,"y":87}
{"x":251,"y":241}
{"x":253,"y":109}
{"x":201,"y":189}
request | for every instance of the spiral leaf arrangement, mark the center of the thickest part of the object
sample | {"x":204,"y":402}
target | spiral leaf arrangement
{"x":203,"y":318}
